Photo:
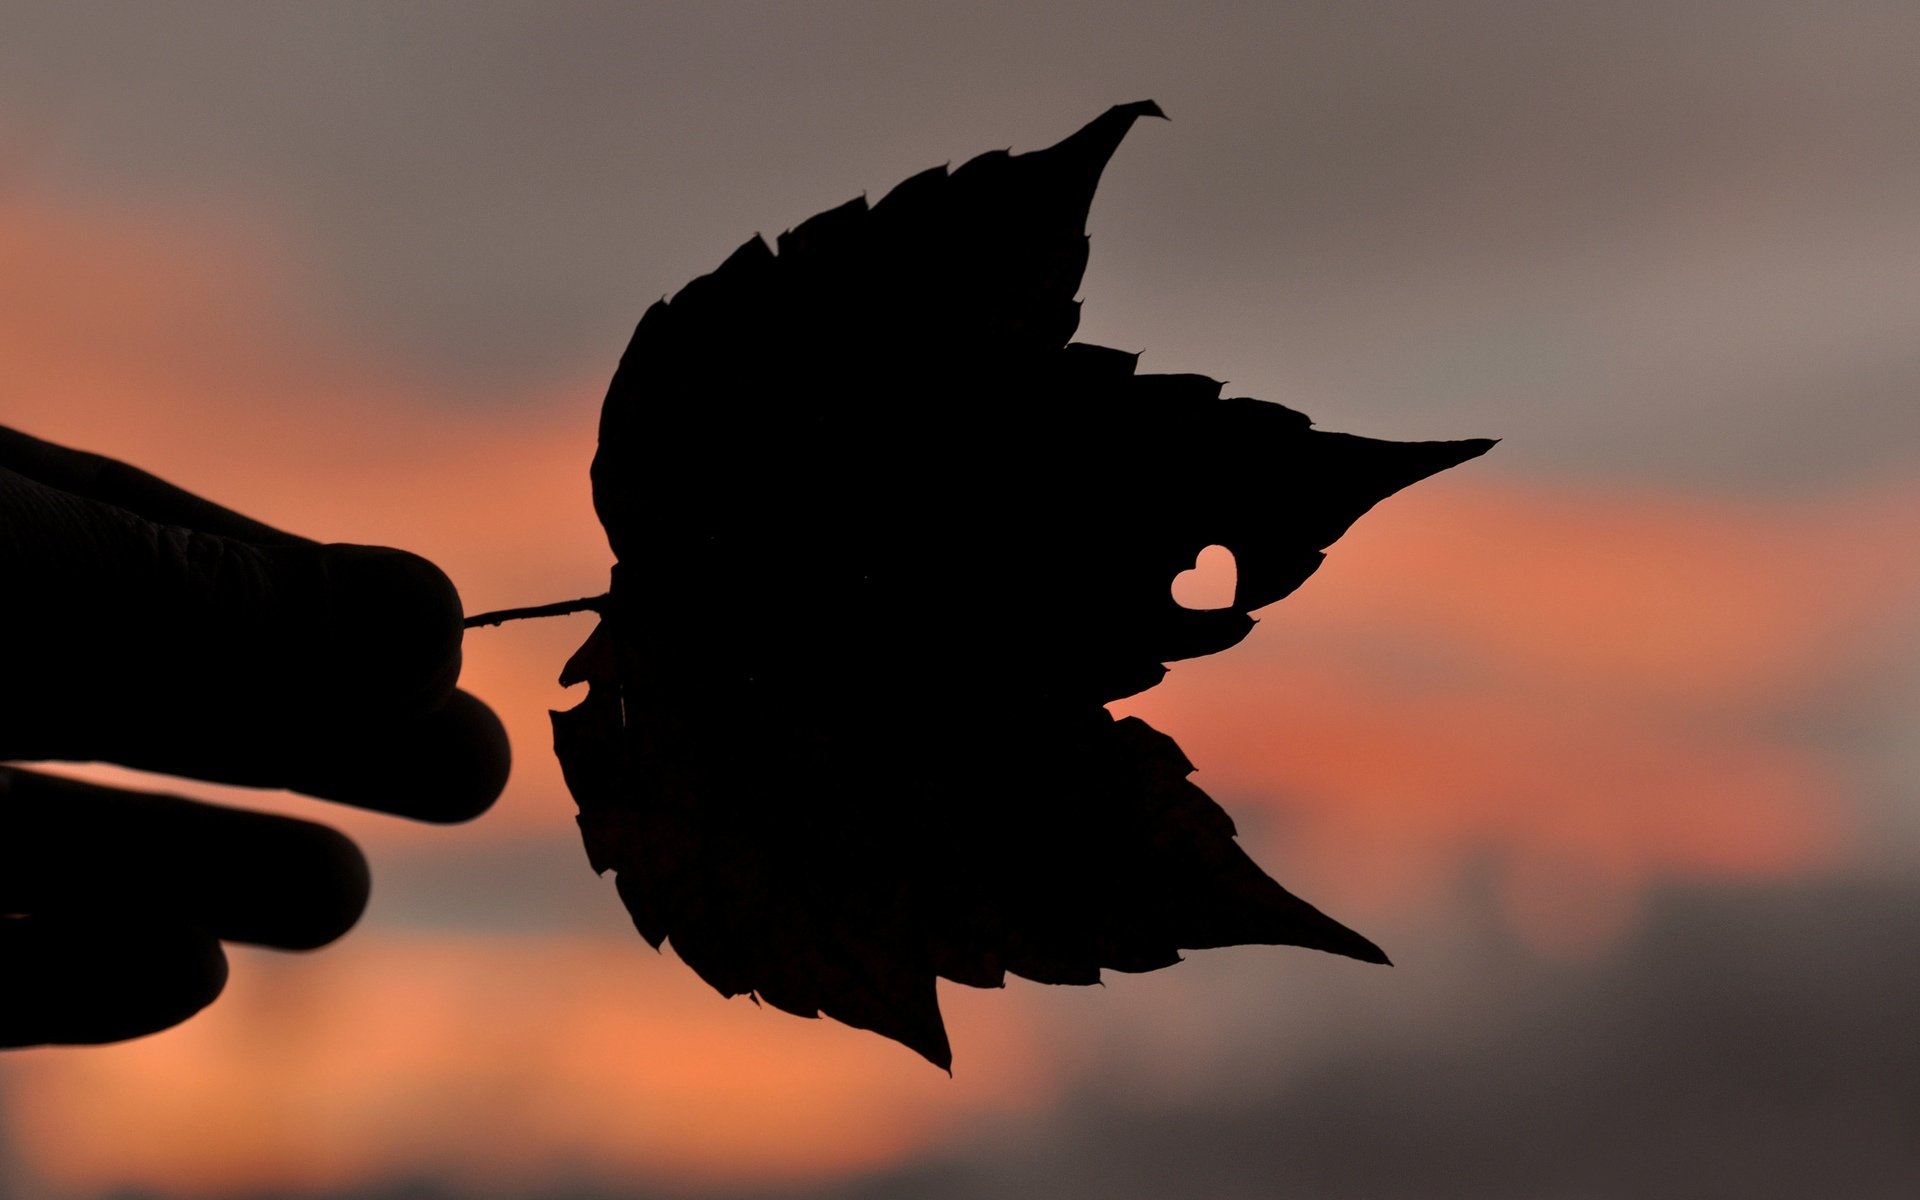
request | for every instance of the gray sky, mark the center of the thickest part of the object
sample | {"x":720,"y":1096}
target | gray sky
{"x":1668,"y":241}
{"x":1660,"y":249}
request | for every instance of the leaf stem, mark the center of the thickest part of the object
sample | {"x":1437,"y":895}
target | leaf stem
{"x":562,"y":608}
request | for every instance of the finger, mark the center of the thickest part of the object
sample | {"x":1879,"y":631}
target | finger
{"x":68,"y":846}
{"x":447,"y":765}
{"x":99,"y":593}
{"x":84,"y":979}
{"x":133,"y":641}
{"x":109,"y":481}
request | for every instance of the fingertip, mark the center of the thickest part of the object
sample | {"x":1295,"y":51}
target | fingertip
{"x":90,"y":980}
{"x":203,"y":974}
{"x":396,"y":626}
{"x":328,"y":899}
{"x":352,"y":888}
{"x":474,"y":761}
{"x":70,"y":846}
{"x":445,"y":767}
{"x":495,"y":763}
{"x":144,"y":982}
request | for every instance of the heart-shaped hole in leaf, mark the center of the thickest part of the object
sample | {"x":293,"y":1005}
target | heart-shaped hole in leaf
{"x":1209,"y":583}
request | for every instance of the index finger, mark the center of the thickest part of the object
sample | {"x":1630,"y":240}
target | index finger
{"x":327,"y":669}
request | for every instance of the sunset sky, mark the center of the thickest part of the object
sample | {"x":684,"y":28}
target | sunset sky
{"x":1611,"y":738}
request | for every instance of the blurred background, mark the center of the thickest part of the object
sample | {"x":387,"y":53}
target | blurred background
{"x":1611,"y":738}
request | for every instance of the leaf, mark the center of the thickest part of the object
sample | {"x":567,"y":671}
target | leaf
{"x":887,"y":543}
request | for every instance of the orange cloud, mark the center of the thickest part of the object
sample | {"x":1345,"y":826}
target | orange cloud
{"x":1591,"y":688}
{"x":493,"y":1061}
{"x":182,"y":346}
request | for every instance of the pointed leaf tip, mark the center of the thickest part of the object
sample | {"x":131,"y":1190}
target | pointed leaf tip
{"x":1364,"y":950}
{"x":1100,"y":137}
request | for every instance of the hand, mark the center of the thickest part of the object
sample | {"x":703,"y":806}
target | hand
{"x":142,"y":625}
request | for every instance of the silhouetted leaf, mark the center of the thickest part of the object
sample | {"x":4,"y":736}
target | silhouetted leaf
{"x":887,"y":543}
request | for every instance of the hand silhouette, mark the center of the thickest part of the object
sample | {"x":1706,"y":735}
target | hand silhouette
{"x":142,"y":625}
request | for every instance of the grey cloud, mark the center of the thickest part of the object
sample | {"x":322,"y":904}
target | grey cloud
{"x":531,"y":885}
{"x":1749,"y":1044}
{"x":1408,"y":219}
{"x":1750,"y":1041}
